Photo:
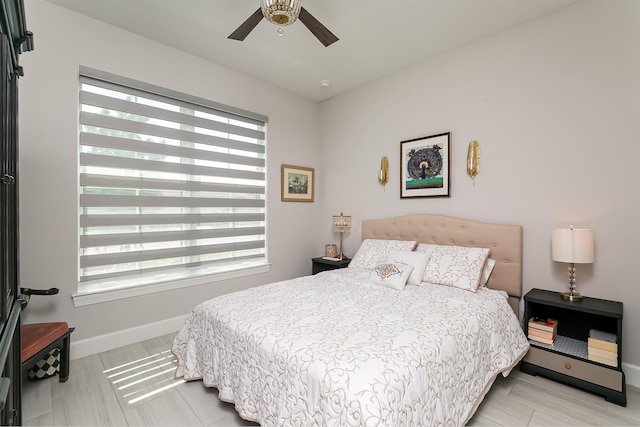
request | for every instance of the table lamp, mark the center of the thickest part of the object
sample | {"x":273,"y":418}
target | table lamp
{"x":575,"y":246}
{"x":341,"y":223}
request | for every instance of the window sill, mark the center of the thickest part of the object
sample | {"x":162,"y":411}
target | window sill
{"x":80,"y":300}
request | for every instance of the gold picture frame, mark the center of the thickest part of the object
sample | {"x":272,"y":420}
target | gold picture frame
{"x":297,"y":183}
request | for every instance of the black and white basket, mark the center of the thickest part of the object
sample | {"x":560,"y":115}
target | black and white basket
{"x":49,"y":366}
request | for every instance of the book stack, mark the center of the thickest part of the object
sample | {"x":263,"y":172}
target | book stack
{"x":543,"y":330}
{"x":602,"y":347}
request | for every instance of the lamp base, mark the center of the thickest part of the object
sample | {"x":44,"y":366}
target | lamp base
{"x":571,"y":296}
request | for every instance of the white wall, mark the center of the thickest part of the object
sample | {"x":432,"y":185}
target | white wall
{"x":48,"y":156}
{"x":555,"y":106}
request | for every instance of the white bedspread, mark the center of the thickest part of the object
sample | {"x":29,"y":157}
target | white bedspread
{"x":335,"y":350}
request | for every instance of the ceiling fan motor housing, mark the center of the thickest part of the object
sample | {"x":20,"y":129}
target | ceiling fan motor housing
{"x":281,"y":12}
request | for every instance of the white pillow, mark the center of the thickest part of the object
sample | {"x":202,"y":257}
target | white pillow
{"x":374,"y":251}
{"x":486,"y":271}
{"x":418,"y":260}
{"x":391,"y":275}
{"x":456,"y":266}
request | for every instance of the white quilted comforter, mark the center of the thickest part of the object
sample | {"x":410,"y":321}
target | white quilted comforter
{"x":335,"y":350}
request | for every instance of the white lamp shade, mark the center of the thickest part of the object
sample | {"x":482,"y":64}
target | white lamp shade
{"x":572,"y":245}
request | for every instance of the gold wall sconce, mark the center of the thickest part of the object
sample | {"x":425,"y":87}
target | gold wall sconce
{"x":473,"y":160}
{"x":383,"y":173}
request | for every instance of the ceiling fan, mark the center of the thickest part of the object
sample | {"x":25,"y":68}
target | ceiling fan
{"x":284,"y":12}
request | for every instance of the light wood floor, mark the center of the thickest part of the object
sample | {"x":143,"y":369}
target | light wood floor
{"x":134,"y":386}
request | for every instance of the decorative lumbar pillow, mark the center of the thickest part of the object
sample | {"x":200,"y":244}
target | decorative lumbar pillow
{"x":374,"y":251}
{"x":456,"y":266}
{"x":391,"y":275}
{"x":418,"y":260}
{"x":486,"y":271}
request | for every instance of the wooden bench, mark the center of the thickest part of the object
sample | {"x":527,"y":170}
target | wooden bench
{"x":38,"y":339}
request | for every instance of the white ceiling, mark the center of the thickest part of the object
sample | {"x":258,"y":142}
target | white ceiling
{"x":377,"y":37}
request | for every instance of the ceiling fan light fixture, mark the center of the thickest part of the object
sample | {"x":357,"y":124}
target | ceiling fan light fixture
{"x":281,"y":12}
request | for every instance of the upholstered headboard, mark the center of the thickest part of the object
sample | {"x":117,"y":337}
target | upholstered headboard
{"x":503,"y":240}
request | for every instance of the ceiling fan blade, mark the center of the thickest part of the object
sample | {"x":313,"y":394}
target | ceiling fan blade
{"x":321,"y":32}
{"x":247,"y":26}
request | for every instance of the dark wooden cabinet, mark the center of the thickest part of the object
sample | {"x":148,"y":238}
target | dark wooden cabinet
{"x":567,"y":360}
{"x":320,"y":264}
{"x":14,"y":39}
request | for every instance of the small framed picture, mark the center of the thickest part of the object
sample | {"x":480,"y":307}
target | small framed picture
{"x":297,"y":184}
{"x":424,"y":166}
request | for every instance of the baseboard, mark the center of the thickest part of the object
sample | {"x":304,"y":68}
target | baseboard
{"x":632,"y":375}
{"x":106,"y":342}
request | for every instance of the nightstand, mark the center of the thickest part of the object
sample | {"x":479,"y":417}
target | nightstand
{"x":320,"y":264}
{"x":566,"y":361}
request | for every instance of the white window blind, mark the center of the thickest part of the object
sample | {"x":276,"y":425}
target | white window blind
{"x":171,"y":186}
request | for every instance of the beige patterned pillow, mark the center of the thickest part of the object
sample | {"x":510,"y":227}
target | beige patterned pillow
{"x":456,"y":266}
{"x":426,"y":248}
{"x":374,"y":251}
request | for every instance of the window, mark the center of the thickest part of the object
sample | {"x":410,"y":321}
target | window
{"x":172,"y":187}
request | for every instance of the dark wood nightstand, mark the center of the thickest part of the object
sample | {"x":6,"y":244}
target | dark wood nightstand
{"x":320,"y":264}
{"x":567,"y":360}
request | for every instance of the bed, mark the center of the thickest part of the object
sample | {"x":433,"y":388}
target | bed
{"x":372,"y":344}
